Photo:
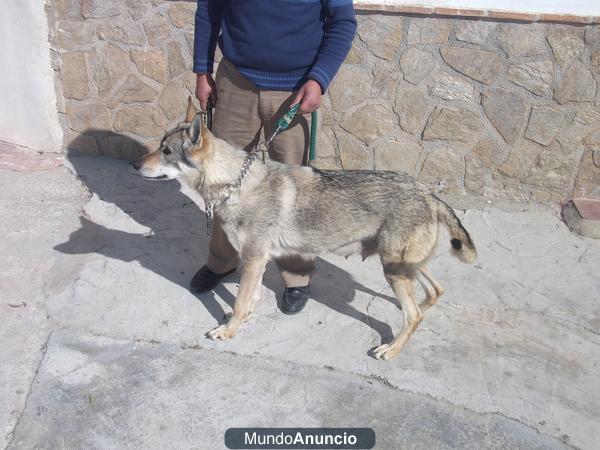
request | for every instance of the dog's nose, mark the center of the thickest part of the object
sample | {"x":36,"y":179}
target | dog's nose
{"x":136,"y":165}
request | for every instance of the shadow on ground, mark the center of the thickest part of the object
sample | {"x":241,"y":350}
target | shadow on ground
{"x":171,"y":239}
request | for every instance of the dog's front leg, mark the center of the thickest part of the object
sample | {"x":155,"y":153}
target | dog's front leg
{"x":253,"y":268}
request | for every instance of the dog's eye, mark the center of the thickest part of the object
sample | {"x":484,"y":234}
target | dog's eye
{"x":166,"y":151}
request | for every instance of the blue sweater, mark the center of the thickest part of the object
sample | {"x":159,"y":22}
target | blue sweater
{"x":276,"y":44}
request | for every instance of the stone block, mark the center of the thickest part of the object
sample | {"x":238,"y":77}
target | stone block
{"x":385,"y":81}
{"x":158,"y":31}
{"x":327,"y":144}
{"x":138,"y":9}
{"x":74,"y":75}
{"x":412,"y":108}
{"x":480,"y":65}
{"x":507,"y":112}
{"x":182,"y":14}
{"x":173,"y":100}
{"x":522,"y":158}
{"x":587,"y":115}
{"x":566,"y":43}
{"x":592,"y":36}
{"x":443,"y":166}
{"x":175,"y":61}
{"x":587,"y":182}
{"x":326,"y":164}
{"x":544,"y":124}
{"x":353,"y":155}
{"x":100,"y":9}
{"x":87,"y":115}
{"x":595,"y":58}
{"x":75,"y":35}
{"x":535,"y":76}
{"x":133,"y":90}
{"x":370,"y":123}
{"x":477,"y":175}
{"x":151,"y":63}
{"x":67,"y":9}
{"x":577,"y":85}
{"x":122,"y":30}
{"x":399,"y":154}
{"x":473,"y":31}
{"x":592,"y":139}
{"x":522,"y":40}
{"x":416,"y":64}
{"x":111,"y":65}
{"x":349,"y":88}
{"x":553,"y":169}
{"x":354,"y":55}
{"x":142,"y":120}
{"x":452,"y":125}
{"x":429,"y":31}
{"x":326,"y":115}
{"x":382,"y":35}
{"x":490,"y":153}
{"x":450,"y":87}
{"x":189,"y":81}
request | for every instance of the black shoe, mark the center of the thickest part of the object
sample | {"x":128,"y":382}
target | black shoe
{"x":206,"y":280}
{"x":294,"y":299}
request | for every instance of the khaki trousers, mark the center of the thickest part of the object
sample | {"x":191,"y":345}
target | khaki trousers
{"x":241,"y":112}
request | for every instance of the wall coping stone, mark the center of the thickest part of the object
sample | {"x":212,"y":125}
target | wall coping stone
{"x":496,"y":14}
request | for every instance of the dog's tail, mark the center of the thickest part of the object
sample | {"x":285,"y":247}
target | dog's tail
{"x":462,"y":244}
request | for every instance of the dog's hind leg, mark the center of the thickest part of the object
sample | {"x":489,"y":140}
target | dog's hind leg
{"x":439,"y":290}
{"x":402,"y":285}
{"x":252,"y":273}
{"x":433,"y":290}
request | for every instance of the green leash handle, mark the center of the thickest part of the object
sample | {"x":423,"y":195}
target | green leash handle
{"x":284,"y":122}
{"x":287,"y":118}
{"x":312,"y":153}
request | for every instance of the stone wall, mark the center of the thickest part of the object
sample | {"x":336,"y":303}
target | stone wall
{"x":489,"y":108}
{"x":123,"y":71}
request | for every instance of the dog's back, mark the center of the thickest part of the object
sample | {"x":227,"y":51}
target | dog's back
{"x":350,"y":211}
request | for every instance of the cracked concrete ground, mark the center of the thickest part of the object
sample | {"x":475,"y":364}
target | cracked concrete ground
{"x":102,"y":345}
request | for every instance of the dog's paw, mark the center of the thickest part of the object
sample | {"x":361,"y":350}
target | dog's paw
{"x":221,"y":333}
{"x":385,"y":352}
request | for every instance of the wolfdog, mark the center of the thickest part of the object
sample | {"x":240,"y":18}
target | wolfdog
{"x":274,"y":210}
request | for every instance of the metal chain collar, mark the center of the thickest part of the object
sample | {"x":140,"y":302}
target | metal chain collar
{"x":248,"y":160}
{"x":210,"y":206}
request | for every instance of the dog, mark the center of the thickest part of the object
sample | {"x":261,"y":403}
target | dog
{"x":274,"y":210}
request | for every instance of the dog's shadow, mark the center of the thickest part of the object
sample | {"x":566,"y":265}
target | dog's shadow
{"x":172,"y":241}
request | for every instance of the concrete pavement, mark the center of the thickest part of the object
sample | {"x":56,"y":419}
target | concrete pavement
{"x":102,"y":345}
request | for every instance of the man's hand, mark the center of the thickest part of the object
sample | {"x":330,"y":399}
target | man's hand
{"x":309,"y":97}
{"x":205,"y":89}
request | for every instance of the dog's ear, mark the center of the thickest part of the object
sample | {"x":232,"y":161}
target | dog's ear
{"x":191,"y":110}
{"x":195,"y":130}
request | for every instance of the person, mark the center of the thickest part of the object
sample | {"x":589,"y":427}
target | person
{"x":275,"y":54}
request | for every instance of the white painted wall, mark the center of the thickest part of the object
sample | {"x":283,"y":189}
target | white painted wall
{"x":576,"y":7}
{"x":28,"y":113}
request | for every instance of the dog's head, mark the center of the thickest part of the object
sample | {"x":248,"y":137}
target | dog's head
{"x":181,"y":150}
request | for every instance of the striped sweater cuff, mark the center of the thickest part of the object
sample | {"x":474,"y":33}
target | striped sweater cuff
{"x":320,"y":76}
{"x":203,"y":66}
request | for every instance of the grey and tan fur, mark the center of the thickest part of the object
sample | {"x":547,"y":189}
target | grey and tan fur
{"x":282,"y":210}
